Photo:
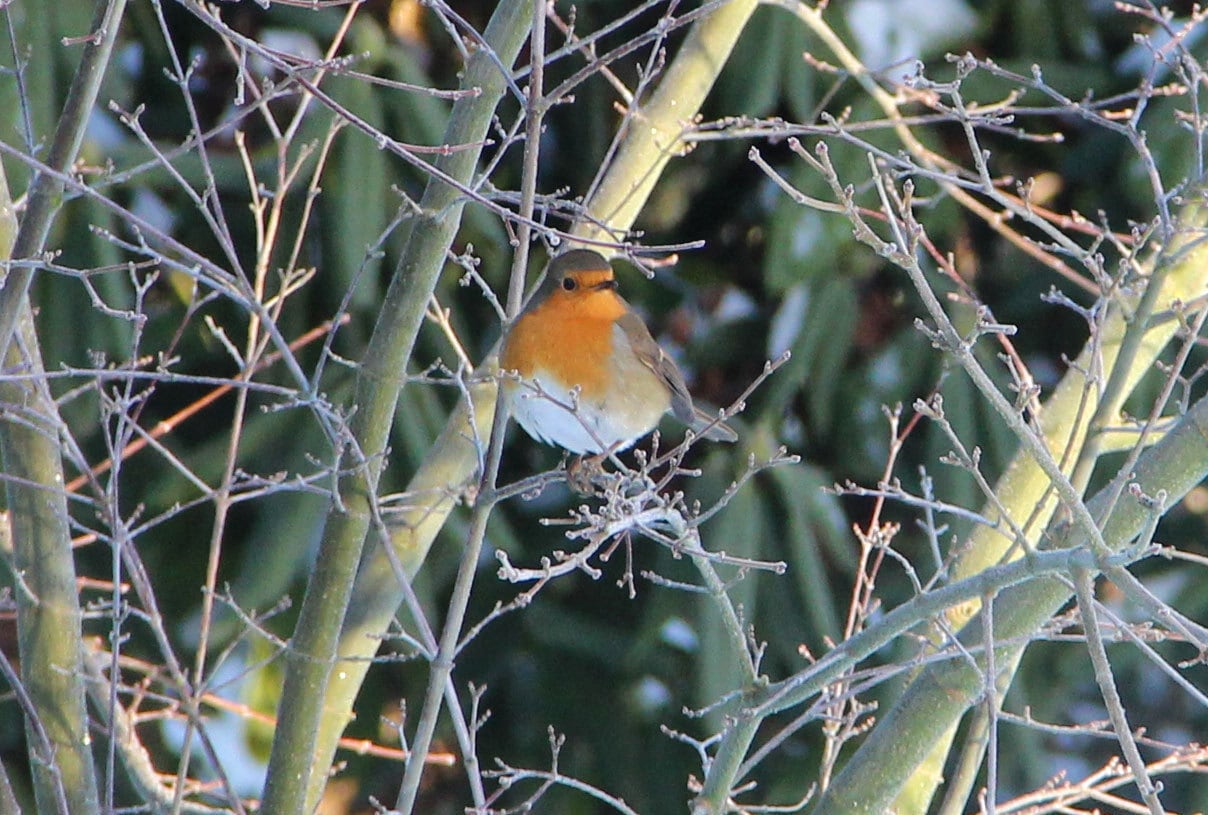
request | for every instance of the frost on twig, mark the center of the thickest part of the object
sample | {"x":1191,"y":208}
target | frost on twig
{"x":640,"y":501}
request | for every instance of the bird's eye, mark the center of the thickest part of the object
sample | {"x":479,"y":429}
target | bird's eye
{"x":569,"y":284}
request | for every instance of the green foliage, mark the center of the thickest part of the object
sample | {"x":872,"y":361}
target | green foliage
{"x":584,"y":658}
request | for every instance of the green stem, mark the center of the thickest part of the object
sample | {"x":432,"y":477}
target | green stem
{"x":442,"y":663}
{"x":801,"y":687}
{"x":942,"y":693}
{"x":454,"y":456}
{"x":48,"y":611}
{"x":46,"y":192}
{"x":299,"y":760}
{"x":1127,"y":349}
{"x":446,"y":650}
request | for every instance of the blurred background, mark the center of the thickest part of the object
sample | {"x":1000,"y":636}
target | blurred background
{"x":585,"y":659}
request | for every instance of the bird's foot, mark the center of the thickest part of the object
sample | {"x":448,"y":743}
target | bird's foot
{"x":583,"y":473}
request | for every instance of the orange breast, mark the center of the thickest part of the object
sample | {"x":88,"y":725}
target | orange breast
{"x":567,"y":337}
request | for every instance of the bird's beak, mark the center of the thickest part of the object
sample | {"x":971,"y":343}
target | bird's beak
{"x":605,"y":285}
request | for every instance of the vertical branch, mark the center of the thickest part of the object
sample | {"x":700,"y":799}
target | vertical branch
{"x":442,"y":663}
{"x":48,"y":611}
{"x":454,"y":456}
{"x":297,"y":766}
{"x":39,"y":746}
{"x":1084,"y":584}
{"x":534,"y":120}
{"x":46,"y":191}
{"x":990,"y":700}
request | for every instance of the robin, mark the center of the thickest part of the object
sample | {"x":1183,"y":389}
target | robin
{"x":601,"y":381}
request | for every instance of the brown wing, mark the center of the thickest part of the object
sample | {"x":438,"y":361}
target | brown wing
{"x":655,"y":358}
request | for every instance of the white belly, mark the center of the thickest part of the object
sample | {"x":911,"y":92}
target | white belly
{"x":612,"y":423}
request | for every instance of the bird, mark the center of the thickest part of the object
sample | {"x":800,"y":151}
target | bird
{"x":592,"y":379}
